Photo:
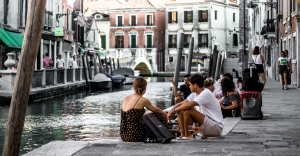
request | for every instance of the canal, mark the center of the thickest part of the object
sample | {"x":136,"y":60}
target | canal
{"x":80,"y":116}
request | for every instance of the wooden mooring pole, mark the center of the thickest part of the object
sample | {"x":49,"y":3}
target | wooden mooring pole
{"x":19,"y":100}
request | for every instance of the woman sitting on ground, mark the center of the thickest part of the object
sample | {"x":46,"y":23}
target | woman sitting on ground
{"x":231,"y":99}
{"x":132,"y":111}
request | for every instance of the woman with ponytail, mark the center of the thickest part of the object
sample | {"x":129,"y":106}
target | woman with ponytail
{"x":133,"y":110}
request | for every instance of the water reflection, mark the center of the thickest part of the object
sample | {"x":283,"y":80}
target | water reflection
{"x":79,"y":116}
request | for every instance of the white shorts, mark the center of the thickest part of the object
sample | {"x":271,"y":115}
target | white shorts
{"x":210,"y":128}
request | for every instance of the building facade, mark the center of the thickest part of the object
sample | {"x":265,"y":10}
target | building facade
{"x":137,"y":28}
{"x":209,"y":22}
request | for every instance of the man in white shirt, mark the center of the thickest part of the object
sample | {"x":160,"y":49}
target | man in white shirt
{"x":211,"y":118}
{"x":60,"y":62}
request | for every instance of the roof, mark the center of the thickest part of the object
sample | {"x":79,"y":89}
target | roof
{"x":11,"y":39}
{"x":101,"y":5}
{"x":142,"y":4}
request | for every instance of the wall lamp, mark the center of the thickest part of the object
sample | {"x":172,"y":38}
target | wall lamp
{"x":60,"y":15}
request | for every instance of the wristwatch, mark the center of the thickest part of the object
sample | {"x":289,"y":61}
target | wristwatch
{"x":173,"y":110}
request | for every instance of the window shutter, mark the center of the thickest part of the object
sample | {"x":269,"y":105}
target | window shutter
{"x":103,"y":42}
{"x":67,"y":19}
{"x":170,"y":17}
{"x":170,"y":38}
{"x":185,"y":38}
{"x":192,"y":15}
{"x":233,"y":17}
{"x":116,"y":42}
{"x":235,"y":40}
{"x":176,"y":17}
{"x":206,"y":15}
{"x":185,"y":16}
{"x":206,"y":40}
{"x":122,"y":41}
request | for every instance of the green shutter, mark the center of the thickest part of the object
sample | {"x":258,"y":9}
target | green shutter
{"x":233,"y":17}
{"x":192,"y":16}
{"x":206,"y":40}
{"x":133,"y":41}
{"x":149,"y":41}
{"x":122,"y":42}
{"x":185,"y":16}
{"x":170,"y":38}
{"x":103,"y":42}
{"x":170,"y":17}
{"x":176,"y":17}
{"x":116,"y":42}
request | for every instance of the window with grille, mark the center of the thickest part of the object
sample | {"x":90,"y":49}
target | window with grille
{"x":203,"y":14}
{"x":188,"y":16}
{"x":172,"y":17}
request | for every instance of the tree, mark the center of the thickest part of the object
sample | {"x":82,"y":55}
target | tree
{"x":19,"y":100}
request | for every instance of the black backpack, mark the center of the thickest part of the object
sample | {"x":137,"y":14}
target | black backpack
{"x":251,"y":82}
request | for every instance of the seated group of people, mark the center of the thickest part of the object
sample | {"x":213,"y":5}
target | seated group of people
{"x":203,"y":104}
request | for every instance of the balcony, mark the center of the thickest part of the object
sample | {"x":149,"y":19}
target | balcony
{"x":203,"y":20}
{"x":119,"y":46}
{"x":203,"y":44}
{"x":149,"y":24}
{"x":173,"y":27}
{"x":203,"y":26}
{"x":119,"y":25}
{"x":188,"y":21}
{"x":268,"y":29}
{"x":149,"y":46}
{"x":172,"y":45}
{"x":186,"y":44}
{"x":133,"y":24}
{"x":172,"y":22}
{"x":132,"y":46}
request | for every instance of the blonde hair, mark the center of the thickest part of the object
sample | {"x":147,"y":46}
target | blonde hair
{"x":208,"y":82}
{"x":139,"y":85}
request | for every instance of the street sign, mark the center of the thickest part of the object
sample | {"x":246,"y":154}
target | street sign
{"x":59,"y":32}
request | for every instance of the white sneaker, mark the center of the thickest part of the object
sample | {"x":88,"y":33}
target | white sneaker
{"x":264,"y":93}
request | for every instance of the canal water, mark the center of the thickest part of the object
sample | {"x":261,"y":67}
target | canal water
{"x":80,"y":116}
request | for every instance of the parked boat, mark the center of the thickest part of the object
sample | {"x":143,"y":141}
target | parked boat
{"x":129,"y":74}
{"x":101,"y":81}
{"x":117,"y":80}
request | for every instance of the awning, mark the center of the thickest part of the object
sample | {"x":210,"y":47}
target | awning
{"x":13,"y":40}
{"x":100,"y":53}
{"x":82,"y":50}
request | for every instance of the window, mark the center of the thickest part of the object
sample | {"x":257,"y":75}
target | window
{"x":203,"y":40}
{"x":172,"y":41}
{"x":203,"y":14}
{"x":98,"y":16}
{"x":233,"y":17}
{"x":119,"y":21}
{"x":133,"y":41}
{"x":216,"y":14}
{"x":149,"y":19}
{"x":170,"y":59}
{"x":119,"y":42}
{"x":172,"y":17}
{"x":188,"y":16}
{"x":186,"y":40}
{"x":235,"y":40}
{"x":103,"y":41}
{"x":149,"y":41}
{"x":133,"y":20}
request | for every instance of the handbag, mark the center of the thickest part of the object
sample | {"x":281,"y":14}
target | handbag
{"x":162,"y":134}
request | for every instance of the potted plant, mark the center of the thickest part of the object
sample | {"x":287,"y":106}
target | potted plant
{"x":279,"y":16}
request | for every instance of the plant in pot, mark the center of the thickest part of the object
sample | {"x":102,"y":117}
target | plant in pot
{"x":279,"y":16}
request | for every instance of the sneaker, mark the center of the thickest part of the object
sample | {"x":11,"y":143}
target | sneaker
{"x":282,"y":88}
{"x":264,"y":93}
{"x":286,"y":88}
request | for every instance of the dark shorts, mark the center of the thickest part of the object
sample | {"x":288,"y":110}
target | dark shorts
{"x":283,"y":69}
{"x":260,"y":68}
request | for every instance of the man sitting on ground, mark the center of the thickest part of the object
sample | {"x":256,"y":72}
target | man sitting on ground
{"x":184,"y":88}
{"x":211,"y":118}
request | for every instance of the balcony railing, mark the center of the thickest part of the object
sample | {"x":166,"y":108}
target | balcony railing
{"x":172,"y":45}
{"x":270,"y":21}
{"x":149,"y":24}
{"x":203,"y":19}
{"x":267,"y":28}
{"x":172,"y":21}
{"x":202,"y":44}
{"x":188,"y":21}
{"x":119,"y":25}
{"x":132,"y":46}
{"x":149,"y":46}
{"x":133,"y":24}
{"x":119,"y":46}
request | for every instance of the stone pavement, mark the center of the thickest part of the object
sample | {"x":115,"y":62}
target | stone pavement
{"x":277,"y":134}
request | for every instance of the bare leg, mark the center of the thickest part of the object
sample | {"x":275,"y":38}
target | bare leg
{"x":282,"y":80}
{"x":285,"y":78}
{"x":191,"y":116}
{"x":181,"y":123}
{"x":263,"y":78}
